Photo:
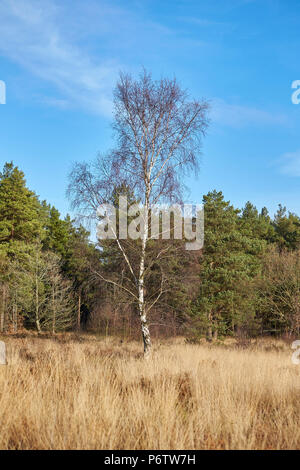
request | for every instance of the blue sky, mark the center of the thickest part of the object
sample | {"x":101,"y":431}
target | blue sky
{"x":60,"y":60}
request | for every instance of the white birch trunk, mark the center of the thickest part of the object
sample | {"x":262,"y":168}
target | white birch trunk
{"x":142,"y":310}
{"x":53,"y":312}
{"x":37,"y":319}
{"x":2,"y":354}
{"x":79,"y":311}
{"x":2,"y":317}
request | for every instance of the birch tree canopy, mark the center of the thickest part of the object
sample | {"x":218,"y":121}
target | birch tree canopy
{"x":158,"y":132}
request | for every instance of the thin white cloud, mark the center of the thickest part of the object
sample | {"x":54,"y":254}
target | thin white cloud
{"x":204,"y":22}
{"x":34,"y":35}
{"x":242,"y":116}
{"x":290,"y":164}
{"x":77,"y":45}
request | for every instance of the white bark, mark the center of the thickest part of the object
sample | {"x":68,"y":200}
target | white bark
{"x":2,"y":354}
{"x":142,"y":309}
{"x":37,"y":319}
{"x":3,"y":306}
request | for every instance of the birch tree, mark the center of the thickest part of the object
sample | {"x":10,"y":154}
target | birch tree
{"x":158,"y":131}
{"x":60,"y":309}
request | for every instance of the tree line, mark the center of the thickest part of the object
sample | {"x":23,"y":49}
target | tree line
{"x":244,"y":281}
{"x":43,"y":260}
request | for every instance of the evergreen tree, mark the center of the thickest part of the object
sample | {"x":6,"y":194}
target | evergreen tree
{"x":19,"y":207}
{"x":228,"y":265}
{"x":255,"y":225}
{"x":287,"y":229}
{"x":58,"y":233}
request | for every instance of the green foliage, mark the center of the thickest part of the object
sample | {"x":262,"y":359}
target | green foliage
{"x":230,"y":261}
{"x":246,"y":278}
{"x":57,"y":232}
{"x":287,"y":229}
{"x":40,"y":263}
{"x":20,"y":209}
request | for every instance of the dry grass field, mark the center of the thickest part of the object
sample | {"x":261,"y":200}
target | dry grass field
{"x":87,"y":393}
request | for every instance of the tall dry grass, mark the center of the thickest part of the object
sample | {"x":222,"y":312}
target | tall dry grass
{"x":102,"y":395}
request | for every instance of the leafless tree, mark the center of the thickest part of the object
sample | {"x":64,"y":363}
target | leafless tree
{"x":37,"y":287}
{"x":158,"y":132}
{"x":280,"y":287}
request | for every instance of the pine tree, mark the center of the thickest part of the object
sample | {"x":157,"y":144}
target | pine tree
{"x":287,"y":229}
{"x":19,"y":207}
{"x":228,"y":264}
{"x":255,"y":225}
{"x":58,"y":233}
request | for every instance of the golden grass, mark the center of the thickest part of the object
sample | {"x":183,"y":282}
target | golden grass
{"x":97,"y":394}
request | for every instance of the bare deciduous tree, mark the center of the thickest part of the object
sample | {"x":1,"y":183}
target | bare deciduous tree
{"x":38,"y":288}
{"x":159,"y":133}
{"x":280,"y":288}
